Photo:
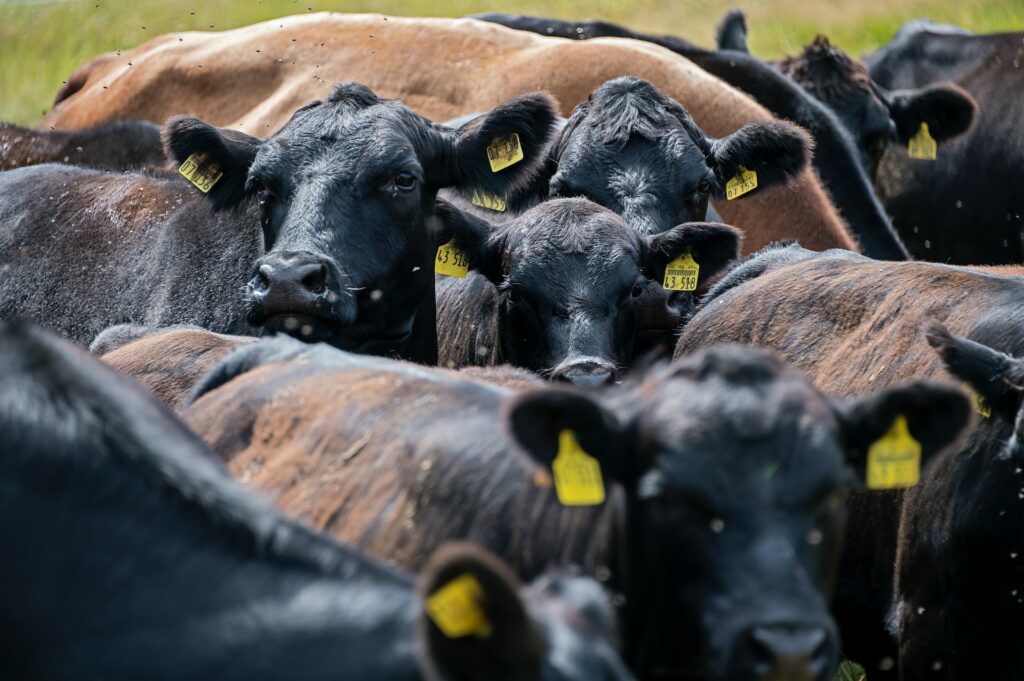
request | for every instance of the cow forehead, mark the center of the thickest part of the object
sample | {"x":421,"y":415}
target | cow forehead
{"x":369,"y":131}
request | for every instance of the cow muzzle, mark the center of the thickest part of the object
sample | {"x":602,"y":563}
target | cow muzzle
{"x":586,"y":371}
{"x":785,"y":652}
{"x":298,"y":293}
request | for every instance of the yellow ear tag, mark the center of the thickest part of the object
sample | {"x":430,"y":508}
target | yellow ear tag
{"x":489,"y":201}
{"x":894,"y":460}
{"x":922,"y":145}
{"x":681,"y":274}
{"x":504,"y":152}
{"x":577,"y":474}
{"x":981,"y":405}
{"x":744,"y":183}
{"x":203,"y":178}
{"x":455,"y":608}
{"x":451,"y":261}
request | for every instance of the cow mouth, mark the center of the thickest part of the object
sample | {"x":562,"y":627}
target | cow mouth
{"x":304,"y":326}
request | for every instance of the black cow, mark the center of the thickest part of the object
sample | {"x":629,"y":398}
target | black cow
{"x":119,"y":145}
{"x":724,"y":476}
{"x":637,"y":152}
{"x":967,"y":206}
{"x":138,"y":557}
{"x":836,"y":157}
{"x":332,"y":236}
{"x":876,"y":117}
{"x":557,"y":290}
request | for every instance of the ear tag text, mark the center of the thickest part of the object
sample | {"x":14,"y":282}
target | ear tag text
{"x":455,"y":608}
{"x":894,"y":460}
{"x":450,"y":261}
{"x":981,"y":405}
{"x":922,"y":145}
{"x":503,"y":152}
{"x":744,"y":183}
{"x":488,"y":201}
{"x":681,"y":274}
{"x":202,"y":177}
{"x":577,"y":474}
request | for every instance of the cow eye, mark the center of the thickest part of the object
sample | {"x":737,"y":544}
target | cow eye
{"x":704,"y":187}
{"x":405,"y":181}
{"x":513,"y":296}
{"x":637,"y":291}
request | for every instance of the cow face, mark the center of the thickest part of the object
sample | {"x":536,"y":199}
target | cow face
{"x":638,"y":153}
{"x":346,"y":195}
{"x":874,"y":116}
{"x":569,"y":275}
{"x":736,"y":471}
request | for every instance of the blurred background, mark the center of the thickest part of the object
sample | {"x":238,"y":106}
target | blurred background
{"x":43,"y":41}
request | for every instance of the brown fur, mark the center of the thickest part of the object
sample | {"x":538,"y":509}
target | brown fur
{"x":325,"y":443}
{"x":827,"y":73}
{"x":441,"y":68}
{"x":171,"y":363}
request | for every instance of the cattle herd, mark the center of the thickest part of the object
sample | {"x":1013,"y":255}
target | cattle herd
{"x":510,"y":348}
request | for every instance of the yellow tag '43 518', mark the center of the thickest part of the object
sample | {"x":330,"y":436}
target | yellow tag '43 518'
{"x":577,"y":474}
{"x":922,"y":145}
{"x":455,"y":608}
{"x":744,"y":183}
{"x":203,"y":177}
{"x":894,"y":460}
{"x":681,"y":274}
{"x":451,"y":261}
{"x":488,"y":201}
{"x":504,"y":152}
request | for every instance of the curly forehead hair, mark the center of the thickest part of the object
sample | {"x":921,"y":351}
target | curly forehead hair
{"x":827,"y":72}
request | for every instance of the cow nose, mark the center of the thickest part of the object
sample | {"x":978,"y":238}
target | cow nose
{"x":290,"y":282}
{"x":588,"y":372}
{"x":786,"y":653}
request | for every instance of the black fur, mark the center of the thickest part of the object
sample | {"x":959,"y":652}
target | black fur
{"x":836,"y":157}
{"x":139,"y":557}
{"x":118,"y":145}
{"x":731,"y":33}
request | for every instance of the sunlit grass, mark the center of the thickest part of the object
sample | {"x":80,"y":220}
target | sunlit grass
{"x":42,"y":42}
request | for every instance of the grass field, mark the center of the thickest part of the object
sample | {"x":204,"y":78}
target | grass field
{"x":42,"y":41}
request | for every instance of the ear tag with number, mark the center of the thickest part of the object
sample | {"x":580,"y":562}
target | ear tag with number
{"x":922,"y":145}
{"x":455,"y":608}
{"x":894,"y":460}
{"x":744,"y":183}
{"x":577,"y":474}
{"x":488,"y":201}
{"x":681,"y":274}
{"x":450,"y":261}
{"x":503,"y":152}
{"x":202,"y":177}
{"x":981,"y":405}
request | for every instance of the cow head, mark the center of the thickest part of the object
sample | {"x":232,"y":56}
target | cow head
{"x":874,"y":116}
{"x":559,"y":628}
{"x":735,"y":470}
{"x":637,"y":152}
{"x":345,"y":194}
{"x":569,"y":274}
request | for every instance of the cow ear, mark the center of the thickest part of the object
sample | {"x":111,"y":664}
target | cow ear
{"x":529,"y":118}
{"x":217,"y":150}
{"x":732,"y":32}
{"x":474,"y":624}
{"x":776,"y":151}
{"x":536,"y":420}
{"x":948,"y":110}
{"x":473,"y":236}
{"x":936,"y":416}
{"x":995,"y":377}
{"x":712,"y":245}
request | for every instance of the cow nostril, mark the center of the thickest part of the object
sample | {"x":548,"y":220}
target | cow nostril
{"x":790,"y":653}
{"x":316,"y":281}
{"x":263,"y":274}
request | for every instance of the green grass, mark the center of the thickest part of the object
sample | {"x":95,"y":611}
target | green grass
{"x":42,"y":42}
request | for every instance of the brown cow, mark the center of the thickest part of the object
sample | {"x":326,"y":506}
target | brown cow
{"x":856,"y":325}
{"x":727,"y":456}
{"x":252,"y":79}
